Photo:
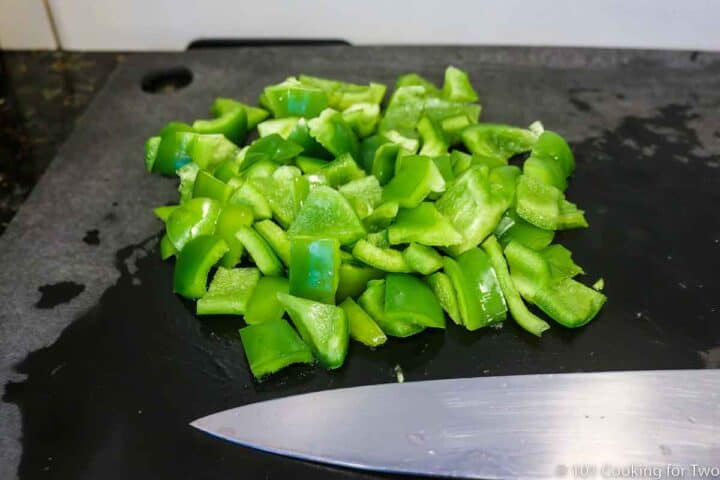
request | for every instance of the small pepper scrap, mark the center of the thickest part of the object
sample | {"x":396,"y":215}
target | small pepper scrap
{"x":363,"y":223}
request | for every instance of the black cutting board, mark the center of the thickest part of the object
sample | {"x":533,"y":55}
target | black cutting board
{"x":103,"y":367}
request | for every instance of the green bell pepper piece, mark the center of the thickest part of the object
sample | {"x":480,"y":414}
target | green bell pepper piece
{"x":409,"y":299}
{"x":309,"y":164}
{"x":372,"y":301}
{"x":503,"y":181}
{"x":362,"y":327}
{"x":404,"y":110}
{"x":415,"y":80}
{"x":173,"y":151}
{"x":314,"y":268}
{"x":163,"y":212}
{"x":229,"y":292}
{"x":367,"y":148}
{"x":442,"y":287}
{"x":260,"y":169}
{"x":324,"y":327}
{"x":568,"y":302}
{"x":341,"y":170}
{"x":408,"y":145}
{"x":422,"y":259}
{"x":231,"y":218}
{"x":364,"y":194}
{"x":342,"y":95}
{"x":524,"y":317}
{"x":263,"y":305}
{"x":471,"y":207}
{"x":151,"y":148}
{"x":363,"y":118}
{"x":255,"y":115}
{"x":191,"y":219}
{"x":457,"y":86}
{"x":187,"y":175}
{"x":285,"y":191}
{"x":272,"y":346}
{"x":488,"y":304}
{"x":544,"y":278}
{"x":354,"y":280}
{"x":551,"y":160}
{"x":381,"y":217}
{"x":294,"y":99}
{"x":433,"y":138}
{"x":261,"y":253}
{"x":495,"y":140}
{"x":383,"y":162}
{"x":327,"y":214}
{"x":194,"y":263}
{"x":461,"y":162}
{"x":277,"y":238}
{"x":210,"y":150}
{"x":412,"y":182}
{"x":528,"y":269}
{"x":167,"y":249}
{"x":513,"y":228}
{"x":207,"y":186}
{"x":445,"y":167}
{"x":425,"y":225}
{"x":385,"y":259}
{"x":295,"y":130}
{"x":249,"y":196}
{"x":560,"y":261}
{"x":227,"y":170}
{"x":272,"y":148}
{"x":331,"y":131}
{"x":233,"y":123}
{"x":379,"y":239}
{"x":278,"y":126}
{"x":546,"y":207}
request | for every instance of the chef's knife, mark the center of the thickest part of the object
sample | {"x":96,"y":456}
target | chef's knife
{"x":527,"y":426}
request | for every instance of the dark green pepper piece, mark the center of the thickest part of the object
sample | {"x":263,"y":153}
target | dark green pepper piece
{"x":194,"y":263}
{"x":229,"y":292}
{"x":272,"y":346}
{"x":362,"y":327}
{"x":263,"y":305}
{"x":373,"y":302}
{"x":409,"y":299}
{"x":314,"y":268}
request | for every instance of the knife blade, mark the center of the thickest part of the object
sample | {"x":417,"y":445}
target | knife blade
{"x":526,"y":426}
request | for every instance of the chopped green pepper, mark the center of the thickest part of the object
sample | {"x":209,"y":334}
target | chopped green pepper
{"x":422,"y":259}
{"x":229,"y":292}
{"x":294,"y":99}
{"x":381,"y":217}
{"x":524,"y":317}
{"x":314,"y":268}
{"x":409,"y":299}
{"x":195,"y":217}
{"x":233,"y":123}
{"x":249,"y":196}
{"x":164,"y":211}
{"x":364,"y":194}
{"x":444,"y":291}
{"x":362,"y":118}
{"x":433,"y":139}
{"x":331,"y":131}
{"x":495,"y":140}
{"x":194,"y":263}
{"x":255,"y":115}
{"x":385,"y":259}
{"x":551,"y":160}
{"x":457,"y":86}
{"x":272,"y":148}
{"x":272,"y":346}
{"x":354,"y":279}
{"x":545,"y":206}
{"x":277,"y":238}
{"x":231,"y":218}
{"x":362,"y":327}
{"x":425,"y":225}
{"x":485,"y":293}
{"x":471,"y":207}
{"x":373,"y":302}
{"x":341,"y":170}
{"x":285,"y":191}
{"x":324,"y":327}
{"x":167,"y":249}
{"x":259,"y":251}
{"x":326,"y":213}
{"x":383,"y":162}
{"x":411,"y":183}
{"x":263,"y":305}
{"x":513,"y":228}
{"x":207,"y":186}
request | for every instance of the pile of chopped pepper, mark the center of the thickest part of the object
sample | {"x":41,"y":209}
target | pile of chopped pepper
{"x":362,"y":223}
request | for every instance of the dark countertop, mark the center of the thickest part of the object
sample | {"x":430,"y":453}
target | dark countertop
{"x":41,"y":95}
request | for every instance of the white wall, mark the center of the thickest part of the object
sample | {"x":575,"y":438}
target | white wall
{"x":24,"y":24}
{"x":172,"y":24}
